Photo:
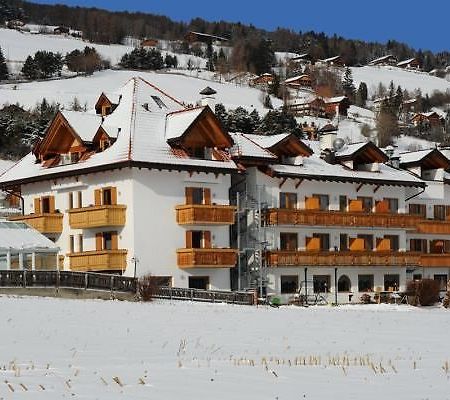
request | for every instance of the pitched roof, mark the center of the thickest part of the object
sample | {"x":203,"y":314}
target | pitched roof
{"x":429,"y":159}
{"x":208,"y":91}
{"x":244,"y":146}
{"x":84,"y":124}
{"x":19,"y":236}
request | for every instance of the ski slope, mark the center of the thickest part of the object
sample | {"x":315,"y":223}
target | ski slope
{"x":409,"y":80}
{"x":88,"y":89}
{"x":87,"y":349}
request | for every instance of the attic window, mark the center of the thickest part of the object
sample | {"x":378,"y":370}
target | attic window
{"x":159,"y":102}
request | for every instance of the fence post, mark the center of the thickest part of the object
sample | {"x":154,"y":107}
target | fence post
{"x":24,"y":276}
{"x":192,"y":294}
{"x":85,"y":281}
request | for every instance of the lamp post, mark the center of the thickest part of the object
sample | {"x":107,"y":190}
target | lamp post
{"x":135,"y":260}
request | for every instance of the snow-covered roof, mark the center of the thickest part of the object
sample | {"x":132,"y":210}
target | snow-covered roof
{"x":245,"y":146}
{"x":331,"y":59}
{"x":337,"y":99}
{"x":179,"y":121}
{"x":406,"y":62}
{"x":84,"y":124}
{"x":350,"y":149}
{"x":380,"y":59}
{"x":268,"y":141}
{"x":414,"y":156}
{"x":20,"y":236}
{"x":141,"y":117}
{"x":315,"y":168}
{"x":294,"y":78}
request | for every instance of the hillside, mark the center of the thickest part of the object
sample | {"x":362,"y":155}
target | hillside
{"x":203,"y":351}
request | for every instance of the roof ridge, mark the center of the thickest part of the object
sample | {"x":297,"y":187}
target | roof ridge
{"x":256,"y":144}
{"x":133,"y":117}
{"x":186,"y":110}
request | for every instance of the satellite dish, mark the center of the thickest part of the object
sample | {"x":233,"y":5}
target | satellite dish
{"x":338,"y":144}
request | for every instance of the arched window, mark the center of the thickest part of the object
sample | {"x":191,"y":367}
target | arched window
{"x":344,"y":284}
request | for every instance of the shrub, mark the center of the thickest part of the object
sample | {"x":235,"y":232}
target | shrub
{"x":147,"y":287}
{"x":424,"y":292}
{"x":365,"y":299}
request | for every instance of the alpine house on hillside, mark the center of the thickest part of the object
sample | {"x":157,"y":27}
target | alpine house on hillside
{"x":140,"y":187}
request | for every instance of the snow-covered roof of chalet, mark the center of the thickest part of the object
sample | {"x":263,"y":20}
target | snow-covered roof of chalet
{"x":20,"y":236}
{"x":405,"y":62}
{"x":178,"y":122}
{"x":330,"y":59}
{"x":315,"y":168}
{"x":141,"y":117}
{"x":268,"y":141}
{"x":114,"y":98}
{"x":382,"y":58}
{"x":84,"y":124}
{"x":417,"y":157}
{"x":294,"y":78}
{"x":350,"y":149}
{"x":337,"y":99}
{"x":245,"y":146}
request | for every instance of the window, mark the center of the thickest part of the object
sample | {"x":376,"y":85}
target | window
{"x":107,"y":241}
{"x":343,"y":242}
{"x":368,"y":241}
{"x":418,"y":209}
{"x":442,"y":279}
{"x":344,"y":284}
{"x":321,"y":283}
{"x":343,"y":201}
{"x":418,"y":245}
{"x":80,"y":199}
{"x":439,"y":212}
{"x":71,"y":244}
{"x":107,"y":197}
{"x":70,"y":200}
{"x":392,"y":205}
{"x":288,"y":200}
{"x":80,"y":243}
{"x":391,"y":282}
{"x":46,"y":205}
{"x":288,"y":241}
{"x":367,"y":203}
{"x":199,"y":282}
{"x":324,"y":240}
{"x":198,"y":195}
{"x":198,"y":239}
{"x":417,"y":277}
{"x":161,"y":280}
{"x":289,"y":283}
{"x":437,"y":246}
{"x":159,"y":102}
{"x":324,"y":201}
{"x":394,"y":242}
{"x":365,"y":283}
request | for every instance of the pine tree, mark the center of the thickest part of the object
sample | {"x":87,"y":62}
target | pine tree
{"x":361,"y":95}
{"x":30,"y":69}
{"x":347,"y":84}
{"x":3,"y":67}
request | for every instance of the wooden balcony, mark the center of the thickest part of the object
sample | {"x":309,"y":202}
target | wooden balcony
{"x":206,"y":258}
{"x":97,"y":216}
{"x":101,"y":260}
{"x":43,"y":222}
{"x":434,"y":227}
{"x":199,"y":214}
{"x":438,"y":260}
{"x":278,"y":216}
{"x":342,"y":258}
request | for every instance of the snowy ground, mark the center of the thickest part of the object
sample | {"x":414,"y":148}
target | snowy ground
{"x":88,"y":89}
{"x":55,"y":349}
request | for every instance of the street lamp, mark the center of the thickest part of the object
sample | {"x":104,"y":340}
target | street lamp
{"x":135,"y":260}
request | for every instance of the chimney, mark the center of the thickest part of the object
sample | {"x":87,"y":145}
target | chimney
{"x":208,"y":98}
{"x":327,"y":136}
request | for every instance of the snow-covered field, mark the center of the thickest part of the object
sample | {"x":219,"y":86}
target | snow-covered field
{"x":88,"y":89}
{"x":55,"y":349}
{"x":409,"y":80}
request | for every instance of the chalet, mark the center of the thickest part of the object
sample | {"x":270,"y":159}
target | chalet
{"x":409,"y":105}
{"x":147,"y":43}
{"x":97,"y":185}
{"x":313,"y":106}
{"x":412,"y":63}
{"x":192,"y":37}
{"x":336,"y":61}
{"x":337,"y":105}
{"x":304,"y":58}
{"x":432,"y":118}
{"x":299,"y":81}
{"x":384,"y":60}
{"x":61,"y":30}
{"x":263,"y":80}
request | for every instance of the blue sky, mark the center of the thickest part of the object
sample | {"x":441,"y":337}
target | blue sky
{"x":419,"y":24}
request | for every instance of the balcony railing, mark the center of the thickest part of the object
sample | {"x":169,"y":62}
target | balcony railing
{"x":43,"y":222}
{"x":101,"y":260}
{"x":278,"y":216}
{"x":206,"y":258}
{"x":342,"y":258}
{"x":435,"y":260}
{"x":200,"y":214}
{"x":434,"y":227}
{"x":97,"y":216}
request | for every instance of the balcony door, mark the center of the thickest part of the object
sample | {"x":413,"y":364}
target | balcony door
{"x":198,"y":195}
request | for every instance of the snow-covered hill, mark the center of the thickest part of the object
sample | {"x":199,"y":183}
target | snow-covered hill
{"x":87,"y":90}
{"x":409,"y":80}
{"x":56,"y":349}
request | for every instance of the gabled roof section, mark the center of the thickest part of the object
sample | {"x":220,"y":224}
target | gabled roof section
{"x":426,"y":159}
{"x":111,"y":98}
{"x":245,"y":147}
{"x":85,"y":125}
{"x":283,"y":144}
{"x":362,"y":153}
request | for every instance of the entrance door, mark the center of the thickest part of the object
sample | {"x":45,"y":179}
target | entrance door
{"x":199,"y":282}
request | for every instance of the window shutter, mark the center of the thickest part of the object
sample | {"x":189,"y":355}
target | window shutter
{"x":98,"y":197}
{"x":113,"y":195}
{"x":207,"y":196}
{"x":114,"y":241}
{"x":98,"y":241}
{"x":447,"y":212}
{"x":189,"y":239}
{"x":189,"y":195}
{"x":70,"y":200}
{"x":51,"y":201}
{"x":207,"y":239}
{"x":37,"y":205}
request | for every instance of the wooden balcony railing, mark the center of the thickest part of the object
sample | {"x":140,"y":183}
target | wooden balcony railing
{"x":342,"y":258}
{"x":200,"y":214}
{"x":206,"y":258}
{"x":97,"y":216}
{"x":434,"y":227}
{"x":435,"y":260}
{"x":43,"y":222}
{"x":278,"y":216}
{"x":101,"y":260}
